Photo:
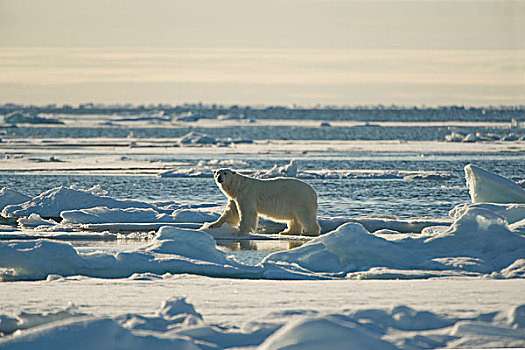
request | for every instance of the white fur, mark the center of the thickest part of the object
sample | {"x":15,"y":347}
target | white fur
{"x":281,"y":199}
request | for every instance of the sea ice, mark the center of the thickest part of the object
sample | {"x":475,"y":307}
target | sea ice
{"x":195,"y":138}
{"x":487,"y":187}
{"x":35,"y":220}
{"x":291,"y":170}
{"x":479,"y":242}
{"x":97,"y":215}
{"x":178,"y":325}
{"x":51,"y":203}
{"x":327,"y":332}
{"x":173,"y":250}
{"x":9,"y":196}
{"x":288,"y":170}
{"x":27,"y":118}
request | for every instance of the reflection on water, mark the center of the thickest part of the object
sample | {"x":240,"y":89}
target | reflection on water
{"x":113,"y":246}
{"x":249,"y":252}
{"x":260,"y":245}
{"x":252,"y":252}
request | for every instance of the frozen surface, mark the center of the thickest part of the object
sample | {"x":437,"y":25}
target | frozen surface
{"x":9,"y":196}
{"x":105,"y":219}
{"x":54,"y":201}
{"x":477,"y":313}
{"x":487,"y":187}
{"x":478,"y":243}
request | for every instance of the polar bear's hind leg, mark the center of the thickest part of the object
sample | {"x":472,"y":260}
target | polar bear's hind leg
{"x":308,"y":221}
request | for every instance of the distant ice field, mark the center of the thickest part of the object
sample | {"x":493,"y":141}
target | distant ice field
{"x":294,"y":130}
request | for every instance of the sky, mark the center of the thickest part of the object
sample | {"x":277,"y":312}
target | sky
{"x":306,"y":52}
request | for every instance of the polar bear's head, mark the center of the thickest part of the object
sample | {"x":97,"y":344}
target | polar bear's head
{"x":228,"y":181}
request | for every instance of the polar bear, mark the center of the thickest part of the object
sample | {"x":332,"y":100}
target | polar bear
{"x":281,"y":199}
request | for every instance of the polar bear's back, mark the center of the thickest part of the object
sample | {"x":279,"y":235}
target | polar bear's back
{"x":281,"y":198}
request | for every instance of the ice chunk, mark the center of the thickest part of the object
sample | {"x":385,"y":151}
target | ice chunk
{"x":326,"y":332}
{"x":26,"y":320}
{"x":98,"y":215}
{"x":511,"y":212}
{"x":192,"y":215}
{"x":103,"y":215}
{"x":173,"y":251}
{"x":478,"y":242}
{"x":487,"y":187}
{"x":455,"y":137}
{"x":54,"y":201}
{"x":9,"y":196}
{"x":90,"y":333}
{"x":348,"y":248}
{"x":191,"y":172}
{"x":195,"y":138}
{"x":288,"y":170}
{"x":191,"y":117}
{"x":26,"y":118}
{"x":35,"y":220}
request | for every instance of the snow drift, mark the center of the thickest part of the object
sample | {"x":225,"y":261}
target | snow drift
{"x":178,"y":325}
{"x":52,"y":202}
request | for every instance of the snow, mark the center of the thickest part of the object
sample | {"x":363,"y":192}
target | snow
{"x":487,"y":187}
{"x":199,"y":139}
{"x":26,"y":118}
{"x":54,"y":201}
{"x":35,"y":220}
{"x":9,"y":196}
{"x":456,"y":136}
{"x":460,"y":274}
{"x":205,"y":170}
{"x":328,"y":332}
{"x":179,"y":324}
{"x":288,"y":170}
{"x":478,"y":243}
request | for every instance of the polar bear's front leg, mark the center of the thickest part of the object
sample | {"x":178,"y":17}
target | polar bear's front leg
{"x":248,"y":211}
{"x":230,"y":216}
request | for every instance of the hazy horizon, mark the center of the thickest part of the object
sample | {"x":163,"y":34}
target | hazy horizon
{"x":305,"y":52}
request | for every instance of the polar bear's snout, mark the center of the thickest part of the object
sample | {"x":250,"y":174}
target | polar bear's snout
{"x":218,"y":176}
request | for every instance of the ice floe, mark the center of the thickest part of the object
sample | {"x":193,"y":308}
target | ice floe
{"x":9,"y":196}
{"x":478,"y":243}
{"x":288,"y":170}
{"x":457,"y":136}
{"x":479,"y":239}
{"x":27,"y":118}
{"x":292,"y":170}
{"x":194,"y":138}
{"x":178,"y":325}
{"x":173,"y":250}
{"x":51,"y":203}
